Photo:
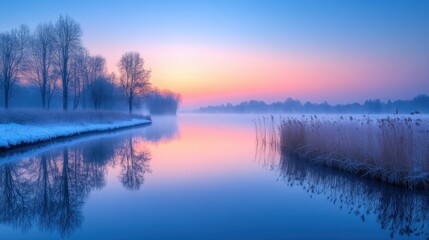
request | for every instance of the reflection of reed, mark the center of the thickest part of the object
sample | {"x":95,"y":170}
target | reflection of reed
{"x":398,"y":210}
{"x":267,"y":138}
{"x":49,"y":190}
{"x":392,"y":149}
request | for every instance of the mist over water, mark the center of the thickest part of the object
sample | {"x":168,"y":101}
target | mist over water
{"x":214,"y":119}
{"x":194,"y":176}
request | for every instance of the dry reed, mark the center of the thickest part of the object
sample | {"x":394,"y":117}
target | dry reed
{"x":394,"y":149}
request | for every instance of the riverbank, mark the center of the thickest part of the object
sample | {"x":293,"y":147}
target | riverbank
{"x":22,"y":128}
{"x":393,"y":149}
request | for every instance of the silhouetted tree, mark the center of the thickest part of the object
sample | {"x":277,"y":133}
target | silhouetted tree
{"x":162,"y":101}
{"x":134,"y":78}
{"x":421,"y":103}
{"x":99,"y":84}
{"x":77,"y":76}
{"x":373,"y":106}
{"x":42,"y":61}
{"x":67,"y":42}
{"x":12,"y":57}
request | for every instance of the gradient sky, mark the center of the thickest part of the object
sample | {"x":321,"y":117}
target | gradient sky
{"x":215,"y":52}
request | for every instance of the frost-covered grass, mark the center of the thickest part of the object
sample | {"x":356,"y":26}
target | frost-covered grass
{"x":394,"y":148}
{"x":42,"y":117}
{"x":25,"y":127}
{"x":391,"y":148}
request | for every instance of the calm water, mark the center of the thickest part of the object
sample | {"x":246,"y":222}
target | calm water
{"x":193,"y":177}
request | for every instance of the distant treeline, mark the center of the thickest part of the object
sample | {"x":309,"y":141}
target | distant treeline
{"x":48,"y":67}
{"x":419,"y":104}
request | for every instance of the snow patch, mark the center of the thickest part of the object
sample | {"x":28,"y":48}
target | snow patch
{"x":13,"y":134}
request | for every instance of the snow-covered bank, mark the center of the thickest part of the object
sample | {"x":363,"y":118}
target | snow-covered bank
{"x":14,"y":135}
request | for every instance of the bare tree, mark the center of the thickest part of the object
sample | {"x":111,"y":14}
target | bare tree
{"x":12,"y":58}
{"x":106,"y":90}
{"x":41,"y":62}
{"x":101,"y":90}
{"x":51,"y":88}
{"x":85,"y":75}
{"x":162,"y":101}
{"x":96,"y":79}
{"x":76,"y":77}
{"x":134,"y":79}
{"x":67,"y":34}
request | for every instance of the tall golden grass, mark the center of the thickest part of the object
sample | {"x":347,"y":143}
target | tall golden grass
{"x":394,"y":149}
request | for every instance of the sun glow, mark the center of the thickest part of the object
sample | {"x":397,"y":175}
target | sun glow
{"x":206,"y":75}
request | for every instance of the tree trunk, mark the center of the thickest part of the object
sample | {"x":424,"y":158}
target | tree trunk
{"x":130,"y":103}
{"x":48,"y":101}
{"x":44,"y":97}
{"x":65,"y":85}
{"x":6,"y":96}
{"x":65,"y":96}
{"x":44,"y":80}
{"x":6,"y":100}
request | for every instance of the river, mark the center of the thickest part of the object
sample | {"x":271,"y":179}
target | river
{"x":193,"y":177}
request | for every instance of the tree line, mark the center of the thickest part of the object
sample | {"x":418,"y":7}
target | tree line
{"x":52,"y":59}
{"x":419,"y":104}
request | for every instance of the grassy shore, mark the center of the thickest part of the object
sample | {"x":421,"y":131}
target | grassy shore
{"x":394,"y":149}
{"x":41,"y":117}
{"x":25,"y":127}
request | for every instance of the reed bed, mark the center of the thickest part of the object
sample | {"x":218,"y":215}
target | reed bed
{"x":394,"y":149}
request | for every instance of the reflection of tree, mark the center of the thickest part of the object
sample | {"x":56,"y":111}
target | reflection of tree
{"x":397,"y":210}
{"x":45,"y":174}
{"x":70,"y":195}
{"x":49,"y":190}
{"x":96,"y":158}
{"x":15,"y":207}
{"x":134,"y":164}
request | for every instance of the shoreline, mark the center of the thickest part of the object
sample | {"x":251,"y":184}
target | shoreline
{"x":56,"y":132}
{"x":393,"y":150}
{"x":390,"y":149}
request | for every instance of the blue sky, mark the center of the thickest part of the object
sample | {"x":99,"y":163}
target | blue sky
{"x":389,"y":30}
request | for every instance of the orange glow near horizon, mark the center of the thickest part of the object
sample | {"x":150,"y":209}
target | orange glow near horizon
{"x":205,"y":75}
{"x":215,"y":52}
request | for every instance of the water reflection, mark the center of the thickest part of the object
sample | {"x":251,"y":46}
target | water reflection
{"x":134,"y":164}
{"x":400,"y":211}
{"x":48,"y":191}
{"x":162,"y":129}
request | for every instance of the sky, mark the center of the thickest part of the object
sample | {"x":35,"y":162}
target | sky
{"x":214,"y":52}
